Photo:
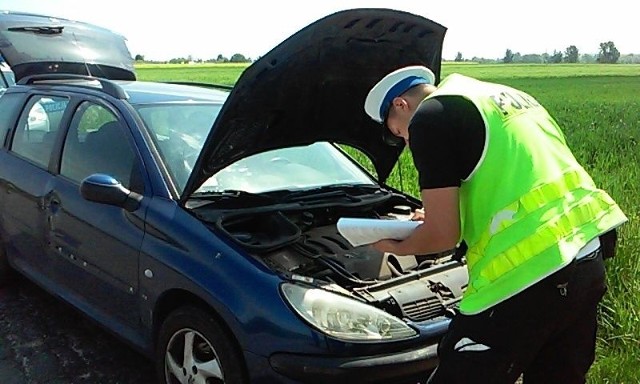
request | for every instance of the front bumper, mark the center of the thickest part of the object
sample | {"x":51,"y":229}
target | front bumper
{"x":399,"y":367}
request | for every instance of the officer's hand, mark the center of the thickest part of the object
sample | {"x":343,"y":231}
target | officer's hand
{"x":418,"y":215}
{"x":385,"y":245}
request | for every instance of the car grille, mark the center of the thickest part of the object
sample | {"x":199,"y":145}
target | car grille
{"x":423,"y":309}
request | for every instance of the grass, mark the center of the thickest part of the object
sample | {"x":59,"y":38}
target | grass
{"x":599,"y":109}
{"x":226,"y":74}
{"x":601,"y":119}
{"x":517,"y":71}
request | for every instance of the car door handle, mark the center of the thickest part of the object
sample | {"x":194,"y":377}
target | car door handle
{"x":50,"y":203}
{"x":54,"y":205}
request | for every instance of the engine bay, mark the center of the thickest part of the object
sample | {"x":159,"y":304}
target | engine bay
{"x":302,"y":242}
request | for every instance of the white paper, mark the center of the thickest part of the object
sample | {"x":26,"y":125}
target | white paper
{"x":366,"y":231}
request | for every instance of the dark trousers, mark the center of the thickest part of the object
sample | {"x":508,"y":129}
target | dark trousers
{"x":547,"y":332}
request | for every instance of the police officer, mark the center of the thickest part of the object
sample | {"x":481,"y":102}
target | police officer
{"x":495,"y":172}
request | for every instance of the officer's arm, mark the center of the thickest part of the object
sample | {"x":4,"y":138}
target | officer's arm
{"x":440,"y":230}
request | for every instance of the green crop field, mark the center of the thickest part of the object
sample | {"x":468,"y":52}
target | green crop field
{"x":225,"y":74}
{"x":598,"y":107}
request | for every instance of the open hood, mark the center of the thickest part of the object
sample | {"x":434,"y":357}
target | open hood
{"x":313,"y":85}
{"x":35,"y":44}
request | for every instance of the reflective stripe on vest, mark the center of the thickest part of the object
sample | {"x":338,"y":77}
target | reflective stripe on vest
{"x":581,"y":215}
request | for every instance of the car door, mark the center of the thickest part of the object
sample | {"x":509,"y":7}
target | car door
{"x":98,"y":243}
{"x":27,"y":180}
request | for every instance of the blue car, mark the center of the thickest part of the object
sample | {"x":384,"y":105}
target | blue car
{"x":199,"y":223}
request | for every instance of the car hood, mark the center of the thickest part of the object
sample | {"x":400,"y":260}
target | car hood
{"x":35,"y":44}
{"x":312,"y":87}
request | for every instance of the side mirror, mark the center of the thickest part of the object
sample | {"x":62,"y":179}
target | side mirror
{"x":104,"y":189}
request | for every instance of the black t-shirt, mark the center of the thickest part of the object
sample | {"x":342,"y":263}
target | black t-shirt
{"x":447,"y":138}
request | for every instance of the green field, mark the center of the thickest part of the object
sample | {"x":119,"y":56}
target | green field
{"x":598,"y":107}
{"x":225,"y":74}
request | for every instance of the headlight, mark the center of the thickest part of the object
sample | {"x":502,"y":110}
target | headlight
{"x":344,"y":318}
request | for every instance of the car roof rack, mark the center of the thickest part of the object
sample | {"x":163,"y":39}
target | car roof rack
{"x":107,"y":86}
{"x":205,"y":85}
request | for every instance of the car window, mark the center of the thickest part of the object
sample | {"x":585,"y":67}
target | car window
{"x":10,"y":103}
{"x":360,"y":157}
{"x":38,"y":127}
{"x":179,"y":131}
{"x":295,"y":168}
{"x":7,"y":77}
{"x":97,"y":142}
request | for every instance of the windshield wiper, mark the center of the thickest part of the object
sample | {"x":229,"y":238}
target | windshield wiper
{"x":231,"y":194}
{"x":353,"y":192}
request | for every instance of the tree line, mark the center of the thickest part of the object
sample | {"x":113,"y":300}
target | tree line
{"x":608,"y":54}
{"x":235,"y":58}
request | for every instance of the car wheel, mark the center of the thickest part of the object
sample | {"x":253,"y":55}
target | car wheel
{"x":6,"y":272}
{"x":194,"y":348}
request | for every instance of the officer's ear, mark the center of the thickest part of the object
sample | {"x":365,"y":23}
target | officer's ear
{"x":400,"y":102}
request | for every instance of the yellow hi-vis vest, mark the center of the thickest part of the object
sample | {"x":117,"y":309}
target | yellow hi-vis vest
{"x":528,"y":207}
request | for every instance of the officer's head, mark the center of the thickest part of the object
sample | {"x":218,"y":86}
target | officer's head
{"x":395,"y":98}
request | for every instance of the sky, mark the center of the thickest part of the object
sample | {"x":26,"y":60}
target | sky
{"x":165,"y":29}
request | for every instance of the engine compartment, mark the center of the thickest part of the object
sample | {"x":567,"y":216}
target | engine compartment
{"x":301,"y":242}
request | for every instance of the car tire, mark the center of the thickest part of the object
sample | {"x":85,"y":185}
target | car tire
{"x":7,"y":274}
{"x":214,"y":356}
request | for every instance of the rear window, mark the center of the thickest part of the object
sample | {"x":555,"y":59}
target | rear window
{"x":7,"y":77}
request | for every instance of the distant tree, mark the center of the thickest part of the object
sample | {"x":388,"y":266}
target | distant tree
{"x":571,"y":54}
{"x":545,"y":57}
{"x":178,"y":60}
{"x":588,"y":59}
{"x":222,"y":59}
{"x":458,"y":57}
{"x":629,"y":59}
{"x":508,"y":57}
{"x":139,"y":57}
{"x":532,"y":58}
{"x":609,"y":54}
{"x":483,"y":60}
{"x":556,"y":57}
{"x":238,"y":58}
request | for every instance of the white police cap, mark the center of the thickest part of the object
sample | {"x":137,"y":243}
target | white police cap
{"x":393,"y":85}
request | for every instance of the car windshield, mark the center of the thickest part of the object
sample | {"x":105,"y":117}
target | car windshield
{"x":295,"y":168}
{"x":179,"y":130}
